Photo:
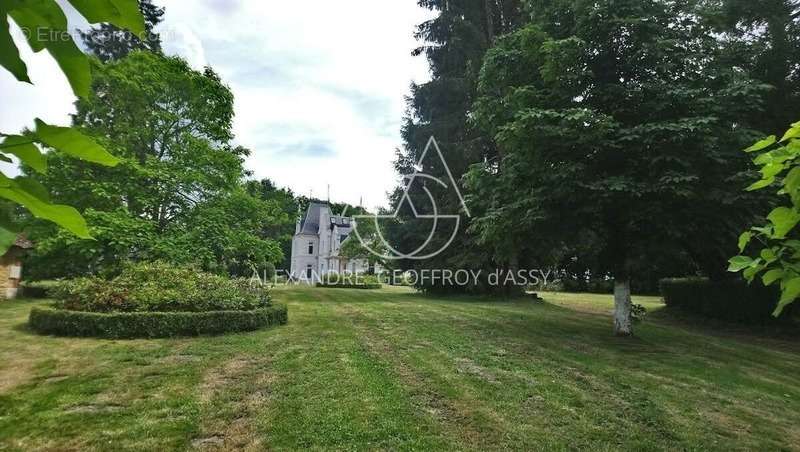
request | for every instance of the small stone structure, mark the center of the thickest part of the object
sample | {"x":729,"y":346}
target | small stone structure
{"x":11,"y":268}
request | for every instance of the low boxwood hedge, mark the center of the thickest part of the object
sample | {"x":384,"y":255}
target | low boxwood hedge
{"x":732,"y":300}
{"x":129,"y":325}
{"x":349,"y":286}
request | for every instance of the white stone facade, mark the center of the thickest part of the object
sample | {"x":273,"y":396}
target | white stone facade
{"x":315,"y":247}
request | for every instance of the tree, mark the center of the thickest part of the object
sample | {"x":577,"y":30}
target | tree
{"x":178,"y":181}
{"x":364,"y":243}
{"x":46,"y":18}
{"x":764,"y":38}
{"x":454,"y":43}
{"x":224,"y":235}
{"x":109,"y":42}
{"x":776,"y":243}
{"x":282,"y":228}
{"x":614,"y":124}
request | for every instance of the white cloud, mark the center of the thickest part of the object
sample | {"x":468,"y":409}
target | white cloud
{"x":319,"y":76}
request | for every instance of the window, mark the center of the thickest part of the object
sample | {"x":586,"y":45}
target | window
{"x":310,"y":247}
{"x":309,"y":271}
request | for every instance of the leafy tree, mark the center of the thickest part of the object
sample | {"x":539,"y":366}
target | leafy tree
{"x":454,"y":43}
{"x":176,"y":193}
{"x":109,"y":42}
{"x":283,"y":224}
{"x":613,"y":124}
{"x":43,"y":20}
{"x":365,"y":243}
{"x":764,"y":38}
{"x":169,"y":125}
{"x":225,"y":235}
{"x":776,"y":243}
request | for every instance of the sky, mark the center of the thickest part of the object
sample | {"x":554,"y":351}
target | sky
{"x":320,"y":86}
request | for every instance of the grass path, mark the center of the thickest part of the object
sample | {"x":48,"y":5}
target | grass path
{"x":390,"y":369}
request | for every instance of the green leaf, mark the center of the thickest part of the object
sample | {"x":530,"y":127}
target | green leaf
{"x":750,"y":272}
{"x":784,"y":220}
{"x":33,"y":187}
{"x":763,"y":144}
{"x":771,"y":276}
{"x":7,"y":238}
{"x":790,"y":292}
{"x":739,"y":263}
{"x":792,"y":179}
{"x":47,"y":27}
{"x":771,"y":170}
{"x":794,"y":132}
{"x":74,"y":64}
{"x":121,"y":13}
{"x":26,"y":151}
{"x":744,"y":239}
{"x":64,"y":216}
{"x":9,"y":54}
{"x":768,"y":255}
{"x":74,"y":143}
{"x":761,"y":184}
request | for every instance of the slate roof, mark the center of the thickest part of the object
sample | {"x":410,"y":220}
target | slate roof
{"x":310,"y":224}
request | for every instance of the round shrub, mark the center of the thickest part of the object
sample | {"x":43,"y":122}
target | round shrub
{"x":160,"y":287}
{"x":151,"y":300}
{"x":129,"y":325}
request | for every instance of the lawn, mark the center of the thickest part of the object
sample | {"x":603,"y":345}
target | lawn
{"x":391,"y":369}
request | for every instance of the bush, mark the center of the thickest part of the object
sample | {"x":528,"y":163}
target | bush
{"x":733,"y":300}
{"x":129,"y":325}
{"x":160,"y":287}
{"x":39,"y":289}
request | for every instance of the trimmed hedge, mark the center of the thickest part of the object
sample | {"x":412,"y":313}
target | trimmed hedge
{"x":733,"y":300}
{"x":130,"y":325}
{"x":349,"y":286}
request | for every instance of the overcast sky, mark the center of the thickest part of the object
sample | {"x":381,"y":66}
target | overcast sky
{"x":319,"y":85}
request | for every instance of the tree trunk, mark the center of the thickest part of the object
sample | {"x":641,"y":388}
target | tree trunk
{"x":622,"y":308}
{"x":489,"y":21}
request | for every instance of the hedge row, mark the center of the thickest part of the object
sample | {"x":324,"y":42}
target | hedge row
{"x":733,"y":300}
{"x":349,"y":286}
{"x":129,"y":325}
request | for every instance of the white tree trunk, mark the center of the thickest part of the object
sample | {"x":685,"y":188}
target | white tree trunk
{"x":622,"y":308}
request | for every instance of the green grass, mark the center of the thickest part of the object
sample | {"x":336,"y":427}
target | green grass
{"x":391,"y":369}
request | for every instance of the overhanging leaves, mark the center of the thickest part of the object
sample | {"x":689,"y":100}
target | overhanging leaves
{"x":7,"y":239}
{"x":25,"y":150}
{"x":121,"y":13}
{"x":784,"y":220}
{"x":74,"y":143}
{"x":28,"y":195}
{"x":9,"y":54}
